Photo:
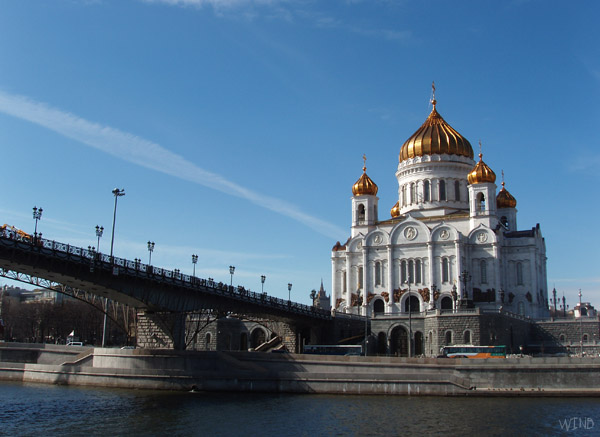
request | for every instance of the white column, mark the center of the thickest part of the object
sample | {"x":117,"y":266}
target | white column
{"x":430,"y":272}
{"x":390,"y":277}
{"x":497,"y":271}
{"x":364,"y":280}
{"x":534,"y":277}
{"x":459,"y":268}
{"x":335,"y":292}
{"x":348,"y":293}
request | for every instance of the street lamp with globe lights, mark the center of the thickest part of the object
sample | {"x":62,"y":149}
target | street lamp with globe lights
{"x":262,"y":283}
{"x":231,"y":272}
{"x":150,"y":250}
{"x":37,"y":215}
{"x":99,"y":232}
{"x":194,"y":261}
{"x":289,"y":292}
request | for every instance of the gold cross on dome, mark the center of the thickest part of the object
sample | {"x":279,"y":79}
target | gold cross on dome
{"x":364,"y":161}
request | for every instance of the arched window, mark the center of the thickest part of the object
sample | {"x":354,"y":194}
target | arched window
{"x":404,"y":202}
{"x":467,"y":337}
{"x":403,"y":272}
{"x":483,"y":271}
{"x":411,"y":276}
{"x":504,"y":222}
{"x":377,"y":273}
{"x":586,"y":338}
{"x":378,"y":306}
{"x":360,"y":278}
{"x":519,"y":274}
{"x":480,"y":202}
{"x":413,"y":197}
{"x":442,"y":190}
{"x":445,"y":270}
{"x":426,"y":193}
{"x":562,"y":338}
{"x":344,"y":284}
{"x":361,"y":212}
{"x":457,"y":191}
{"x":448,"y":338}
{"x":418,"y":271}
{"x":446,"y":303}
{"x":207,"y":338}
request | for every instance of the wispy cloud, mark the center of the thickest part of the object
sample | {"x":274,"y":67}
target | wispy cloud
{"x":289,"y":10}
{"x":148,"y":154}
{"x":591,"y":161}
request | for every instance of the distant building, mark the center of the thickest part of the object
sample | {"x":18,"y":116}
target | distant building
{"x":321,"y":300}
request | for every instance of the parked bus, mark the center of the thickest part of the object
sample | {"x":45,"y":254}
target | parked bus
{"x":473,"y":352}
{"x":333,"y":349}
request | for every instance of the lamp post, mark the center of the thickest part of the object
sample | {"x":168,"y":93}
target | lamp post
{"x":454,"y":295}
{"x":580,"y":325}
{"x":410,"y":346}
{"x":262,"y":283}
{"x":289,"y":292}
{"x":231,"y":272}
{"x":465,"y":277}
{"x":117,"y":193}
{"x":150,"y":250}
{"x":37,"y":215}
{"x":194,"y":261}
{"x":99,"y":232}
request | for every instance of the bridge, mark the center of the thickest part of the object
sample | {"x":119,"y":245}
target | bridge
{"x":147,"y":288}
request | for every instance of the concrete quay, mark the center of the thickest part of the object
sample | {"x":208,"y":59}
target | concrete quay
{"x":294,"y":373}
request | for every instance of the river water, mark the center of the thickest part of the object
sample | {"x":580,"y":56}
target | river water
{"x":49,"y":410}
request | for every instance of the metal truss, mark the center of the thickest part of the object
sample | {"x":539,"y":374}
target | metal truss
{"x":110,"y":308}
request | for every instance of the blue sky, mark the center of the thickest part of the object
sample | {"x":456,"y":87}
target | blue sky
{"x":237,"y":127}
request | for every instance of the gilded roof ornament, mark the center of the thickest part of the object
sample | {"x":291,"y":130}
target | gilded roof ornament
{"x":364,"y":185}
{"x":435,"y":137}
{"x":395,"y":211}
{"x":481,"y":173}
{"x":504,"y":199}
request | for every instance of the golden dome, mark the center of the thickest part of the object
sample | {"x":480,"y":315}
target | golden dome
{"x":481,"y":173}
{"x":364,"y":185}
{"x":435,"y":137}
{"x":504,"y":199}
{"x":395,"y":212}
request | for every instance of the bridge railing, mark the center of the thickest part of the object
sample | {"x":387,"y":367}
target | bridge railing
{"x":99,"y":260}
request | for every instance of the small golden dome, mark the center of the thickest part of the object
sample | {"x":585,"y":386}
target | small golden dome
{"x":435,"y":137}
{"x":504,"y":199}
{"x":481,"y":173}
{"x":364,"y":185}
{"x":395,"y":212}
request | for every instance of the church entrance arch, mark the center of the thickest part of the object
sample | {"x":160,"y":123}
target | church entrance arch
{"x":399,"y":342}
{"x":446,"y":303}
{"x":419,"y":344}
{"x":414,"y":304}
{"x":378,"y":306}
{"x":257,"y":337}
{"x":381,"y":343}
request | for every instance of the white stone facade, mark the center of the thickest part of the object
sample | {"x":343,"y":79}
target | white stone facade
{"x":445,"y":227}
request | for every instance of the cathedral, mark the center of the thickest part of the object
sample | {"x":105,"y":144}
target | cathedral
{"x":450,"y":244}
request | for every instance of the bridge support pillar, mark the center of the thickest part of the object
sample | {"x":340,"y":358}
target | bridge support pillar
{"x":158,"y":330}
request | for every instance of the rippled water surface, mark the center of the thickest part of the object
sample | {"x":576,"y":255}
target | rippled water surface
{"x":48,"y":410}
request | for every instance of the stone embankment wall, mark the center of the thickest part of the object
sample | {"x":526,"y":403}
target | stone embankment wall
{"x":252,"y":371}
